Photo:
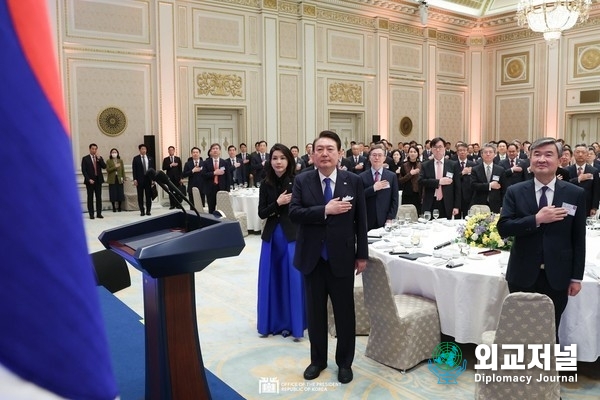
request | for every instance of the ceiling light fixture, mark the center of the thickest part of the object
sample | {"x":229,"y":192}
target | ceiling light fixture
{"x":551,"y":17}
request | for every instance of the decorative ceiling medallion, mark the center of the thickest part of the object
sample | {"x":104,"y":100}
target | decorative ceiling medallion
{"x":112,"y":121}
{"x":406,"y":126}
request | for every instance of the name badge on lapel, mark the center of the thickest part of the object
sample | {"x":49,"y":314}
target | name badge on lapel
{"x":495,"y":178}
{"x":571,"y":209}
{"x":449,"y":175}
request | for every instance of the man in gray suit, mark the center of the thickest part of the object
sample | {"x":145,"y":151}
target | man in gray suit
{"x":328,"y":204}
{"x":547,"y":217}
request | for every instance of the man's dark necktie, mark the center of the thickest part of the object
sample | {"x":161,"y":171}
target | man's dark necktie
{"x":543,"y":198}
{"x":328,"y":195}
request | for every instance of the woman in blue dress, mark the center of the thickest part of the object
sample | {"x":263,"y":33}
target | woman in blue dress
{"x":280,"y":285}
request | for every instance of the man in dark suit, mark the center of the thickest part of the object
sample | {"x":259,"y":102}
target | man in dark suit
{"x":465,"y":166}
{"x":586,"y":177}
{"x":381,"y":190}
{"x":501,"y":149}
{"x":307,"y":158}
{"x":192,"y":170}
{"x":515,"y":168}
{"x":546,"y":217}
{"x":140,"y":165}
{"x":244,"y":169}
{"x":233,"y":166}
{"x":257,"y":162}
{"x":488,"y":181}
{"x":173,"y":168}
{"x":300,"y":164}
{"x":440,"y":179}
{"x":215,"y":172}
{"x":91,"y":168}
{"x":349,"y":151}
{"x":329,"y":206}
{"x":358,"y":162}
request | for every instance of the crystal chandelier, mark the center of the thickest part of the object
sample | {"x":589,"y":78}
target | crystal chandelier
{"x":552,"y":17}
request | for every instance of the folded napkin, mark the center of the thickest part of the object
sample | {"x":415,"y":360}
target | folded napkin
{"x":436,"y":261}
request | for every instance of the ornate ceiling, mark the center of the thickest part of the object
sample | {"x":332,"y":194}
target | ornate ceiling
{"x":475,"y":8}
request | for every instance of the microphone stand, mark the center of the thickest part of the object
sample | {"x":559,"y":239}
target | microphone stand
{"x":163,"y":178}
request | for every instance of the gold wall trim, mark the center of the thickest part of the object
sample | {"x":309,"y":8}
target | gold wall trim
{"x":309,"y":10}
{"x":285,"y":7}
{"x":406,"y":29}
{"x":215,"y":84}
{"x":451,"y":38}
{"x":344,"y":92}
{"x":346,"y":18}
{"x":270,"y":4}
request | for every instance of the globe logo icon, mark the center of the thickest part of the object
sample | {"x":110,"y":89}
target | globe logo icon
{"x":447,"y":355}
{"x":447,"y":362}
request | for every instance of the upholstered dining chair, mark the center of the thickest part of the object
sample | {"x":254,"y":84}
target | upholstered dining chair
{"x":479,"y":209}
{"x":410,"y":209}
{"x":225,"y":206}
{"x":405,"y":329}
{"x":525,"y":318}
{"x":363,"y":325}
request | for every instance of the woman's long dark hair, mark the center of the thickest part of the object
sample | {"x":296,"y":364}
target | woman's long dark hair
{"x":270,"y":176}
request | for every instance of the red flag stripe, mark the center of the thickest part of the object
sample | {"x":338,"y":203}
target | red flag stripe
{"x":30,"y":17}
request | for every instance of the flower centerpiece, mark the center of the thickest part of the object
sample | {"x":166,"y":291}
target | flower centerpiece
{"x":480,"y":231}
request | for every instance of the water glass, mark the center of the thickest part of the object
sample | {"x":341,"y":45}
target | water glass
{"x":427,"y":215}
{"x":407,"y":219}
{"x":415,"y":239}
{"x":463,"y":246}
{"x":436,"y":214}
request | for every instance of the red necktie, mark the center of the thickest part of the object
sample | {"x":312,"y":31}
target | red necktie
{"x":376,"y":176}
{"x":95,"y":167}
{"x":216,"y":178}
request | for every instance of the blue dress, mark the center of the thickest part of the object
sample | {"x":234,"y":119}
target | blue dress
{"x":281,"y":307}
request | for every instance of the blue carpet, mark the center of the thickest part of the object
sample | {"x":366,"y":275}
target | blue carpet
{"x":125,"y":335}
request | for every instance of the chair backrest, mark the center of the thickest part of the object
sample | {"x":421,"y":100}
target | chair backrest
{"x":379,"y":299}
{"x":479,"y":209}
{"x":197,"y":199}
{"x":225,"y":204}
{"x":525,"y":318}
{"x":410,"y":209}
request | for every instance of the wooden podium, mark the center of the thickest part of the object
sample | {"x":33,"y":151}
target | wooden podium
{"x":168,"y":256}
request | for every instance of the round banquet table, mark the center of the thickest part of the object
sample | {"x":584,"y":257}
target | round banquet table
{"x":246,"y":200}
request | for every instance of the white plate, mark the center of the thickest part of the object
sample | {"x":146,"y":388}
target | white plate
{"x":476,"y":256}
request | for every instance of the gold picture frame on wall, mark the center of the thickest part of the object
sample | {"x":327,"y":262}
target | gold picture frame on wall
{"x":406,"y":126}
{"x":587,"y":59}
{"x":515,"y":68}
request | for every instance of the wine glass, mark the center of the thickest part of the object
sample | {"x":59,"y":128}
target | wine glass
{"x":258,"y":185}
{"x":407,"y":219}
{"x":436,"y":214}
{"x":427,"y":215}
{"x":388,"y":227}
{"x":463,"y":246}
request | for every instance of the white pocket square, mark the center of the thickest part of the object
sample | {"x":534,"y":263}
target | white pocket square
{"x":347,"y":198}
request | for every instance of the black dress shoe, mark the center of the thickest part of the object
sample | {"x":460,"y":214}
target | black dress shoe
{"x":313,"y":371}
{"x":345,"y":375}
{"x":99,"y":216}
{"x":142,"y":214}
{"x":172,"y":207}
{"x":92,"y":217}
{"x":148,"y":213}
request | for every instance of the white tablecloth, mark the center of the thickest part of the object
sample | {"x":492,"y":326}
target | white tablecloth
{"x":246,"y":200}
{"x":469,"y":298}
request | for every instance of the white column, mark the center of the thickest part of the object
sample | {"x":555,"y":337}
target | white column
{"x":476,"y":97}
{"x":309,"y":78}
{"x":168,"y":134}
{"x":552,"y":95}
{"x":429,"y":130}
{"x":383,"y":109}
{"x":270,"y":78}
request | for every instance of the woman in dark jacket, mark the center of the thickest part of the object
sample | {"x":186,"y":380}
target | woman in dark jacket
{"x":409,"y":178}
{"x":280,"y":284}
{"x":396,"y":164}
